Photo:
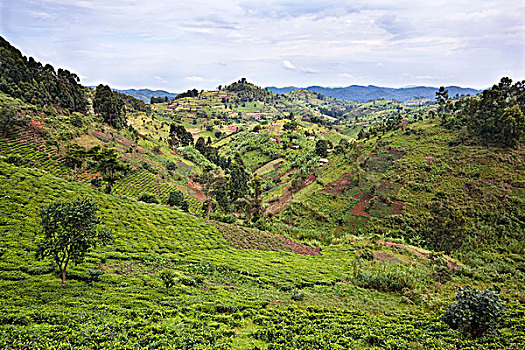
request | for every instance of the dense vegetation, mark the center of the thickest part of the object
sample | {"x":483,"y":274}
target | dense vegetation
{"x":247,"y":220}
{"x":495,"y":117}
{"x":35,"y":83}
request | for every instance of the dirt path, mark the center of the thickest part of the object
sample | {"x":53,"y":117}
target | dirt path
{"x":422,"y":253}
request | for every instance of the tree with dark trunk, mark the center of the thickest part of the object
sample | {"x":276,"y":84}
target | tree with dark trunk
{"x":70,"y":231}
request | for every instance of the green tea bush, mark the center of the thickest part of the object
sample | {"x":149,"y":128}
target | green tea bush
{"x":475,"y":311}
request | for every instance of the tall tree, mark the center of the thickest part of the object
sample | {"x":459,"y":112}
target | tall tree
{"x":239,"y":179}
{"x":109,"y":165}
{"x":442,"y":99}
{"x":70,"y":230}
{"x":179,"y":136}
{"x":8,"y":120}
{"x":109,"y":106}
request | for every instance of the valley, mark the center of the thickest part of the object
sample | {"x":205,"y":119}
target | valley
{"x":245,"y":219}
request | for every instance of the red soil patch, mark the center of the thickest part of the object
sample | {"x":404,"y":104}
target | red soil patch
{"x":359,"y":208}
{"x":358,"y":194}
{"x":390,"y":188}
{"x":392,"y":150}
{"x":194,"y":131}
{"x":338,"y":185}
{"x":309,"y":180}
{"x":397,"y":207}
{"x":232,"y":128}
{"x":123,"y":142}
{"x":198,"y":190}
{"x":383,"y":256}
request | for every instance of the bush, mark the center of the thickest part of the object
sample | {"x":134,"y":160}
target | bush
{"x":148,"y":198}
{"x":171,"y":165}
{"x":168,"y":277}
{"x":76,"y":119}
{"x":475,"y":311}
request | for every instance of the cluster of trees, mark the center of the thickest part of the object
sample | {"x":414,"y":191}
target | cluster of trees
{"x":233,"y":190}
{"x":178,"y":136}
{"x":189,"y":93}
{"x":107,"y":104}
{"x":494,"y":117}
{"x":104,"y":160}
{"x":38,"y":84}
{"x":248,"y":92}
{"x":9,"y":119}
{"x":211,"y":153}
{"x":133,"y":103}
{"x":159,"y":99}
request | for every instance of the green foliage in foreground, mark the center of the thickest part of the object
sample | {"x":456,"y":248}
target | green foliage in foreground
{"x":219,"y":298}
{"x":476,"y":311}
{"x":70,"y":231}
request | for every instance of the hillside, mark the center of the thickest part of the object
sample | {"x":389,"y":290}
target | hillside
{"x":357,"y":93}
{"x":295,"y":221}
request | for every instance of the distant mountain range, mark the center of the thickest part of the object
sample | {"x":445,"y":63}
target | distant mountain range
{"x":146,"y":94}
{"x":359,"y":93}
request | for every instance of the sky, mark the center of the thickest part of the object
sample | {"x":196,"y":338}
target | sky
{"x":178,"y":45}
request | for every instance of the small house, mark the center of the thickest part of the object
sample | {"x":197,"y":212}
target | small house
{"x":323,"y":161}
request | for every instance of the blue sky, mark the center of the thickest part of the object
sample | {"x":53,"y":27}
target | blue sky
{"x":177,"y":45}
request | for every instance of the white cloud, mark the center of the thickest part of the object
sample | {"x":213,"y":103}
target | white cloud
{"x":129,"y":42}
{"x":195,"y":79}
{"x":288,"y":65}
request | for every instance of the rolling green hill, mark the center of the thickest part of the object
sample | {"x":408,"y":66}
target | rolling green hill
{"x":309,"y":223}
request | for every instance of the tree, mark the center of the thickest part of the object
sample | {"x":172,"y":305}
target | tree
{"x":442,"y":99}
{"x":109,"y":106}
{"x":239,"y":179}
{"x":207,"y":179}
{"x":109,"y":165}
{"x":8,"y":120}
{"x":176,"y":199}
{"x":256,"y":184}
{"x":70,"y":231}
{"x":179,"y":136}
{"x":321,"y":147}
{"x":475,"y":311}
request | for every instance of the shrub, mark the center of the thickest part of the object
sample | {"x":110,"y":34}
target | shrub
{"x":148,"y":198}
{"x":168,"y":277}
{"x":171,"y":165}
{"x":475,"y":311}
{"x":94,"y":275}
{"x":176,"y":198}
{"x":367,"y":255}
{"x":76,"y":119}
